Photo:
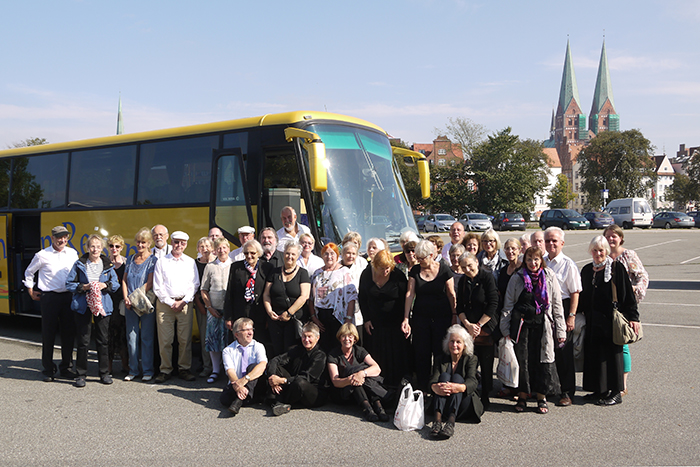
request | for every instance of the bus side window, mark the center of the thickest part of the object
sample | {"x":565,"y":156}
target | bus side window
{"x":39,"y":182}
{"x":176,"y":171}
{"x":103,"y":177}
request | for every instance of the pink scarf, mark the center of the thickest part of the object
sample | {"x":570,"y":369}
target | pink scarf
{"x":94,"y":299}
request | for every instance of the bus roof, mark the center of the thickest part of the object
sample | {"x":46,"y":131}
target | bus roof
{"x":287,"y":118}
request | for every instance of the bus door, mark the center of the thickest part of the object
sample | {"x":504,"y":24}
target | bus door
{"x":230,"y":204}
{"x":4,"y":276}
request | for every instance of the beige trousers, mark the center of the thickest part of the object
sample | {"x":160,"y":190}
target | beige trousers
{"x":166,"y":319}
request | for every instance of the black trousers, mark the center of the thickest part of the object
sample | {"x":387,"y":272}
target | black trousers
{"x":56,"y":316}
{"x":299,"y":392}
{"x":229,"y":395}
{"x":485,"y":354}
{"x":564,"y":358}
{"x":83,"y":327}
{"x":328,"y":340}
{"x":428,"y":333}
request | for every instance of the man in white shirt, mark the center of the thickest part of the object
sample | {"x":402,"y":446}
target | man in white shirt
{"x":456,"y":235}
{"x":160,"y":241}
{"x":570,"y":283}
{"x":245,"y":361}
{"x":53,"y":265}
{"x":245,"y":234}
{"x":175,"y":281}
{"x":291,"y":230}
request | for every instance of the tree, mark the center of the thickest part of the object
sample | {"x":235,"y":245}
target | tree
{"x":683,"y":191}
{"x":465,"y":133}
{"x":508,"y":172}
{"x":25,"y":191}
{"x":561,"y":193}
{"x":29,"y":142}
{"x":411,"y":180}
{"x":619,"y":161}
{"x":449,"y":191}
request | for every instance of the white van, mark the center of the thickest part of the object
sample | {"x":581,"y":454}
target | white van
{"x":630,"y":212}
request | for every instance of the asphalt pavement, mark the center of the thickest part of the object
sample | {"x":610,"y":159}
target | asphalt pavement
{"x":180,"y":423}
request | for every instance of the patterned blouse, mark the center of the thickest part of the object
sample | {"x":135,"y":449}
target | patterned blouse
{"x":638,"y":275}
{"x":333,"y":290}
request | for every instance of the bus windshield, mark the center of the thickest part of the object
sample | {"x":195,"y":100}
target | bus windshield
{"x":364,"y":189}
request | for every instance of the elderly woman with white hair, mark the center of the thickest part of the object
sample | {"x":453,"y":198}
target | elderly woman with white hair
{"x":454,"y":384}
{"x":375,"y":245}
{"x":307,"y":259}
{"x":603,"y":365}
{"x":431,"y":297}
{"x":489,"y":257}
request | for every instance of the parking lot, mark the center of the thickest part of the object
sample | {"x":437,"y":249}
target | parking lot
{"x":182,"y":423}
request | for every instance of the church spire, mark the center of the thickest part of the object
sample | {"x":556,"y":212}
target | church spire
{"x":569,"y":88}
{"x":603,"y":116}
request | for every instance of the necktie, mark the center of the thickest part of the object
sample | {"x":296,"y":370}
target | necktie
{"x":245,"y":351}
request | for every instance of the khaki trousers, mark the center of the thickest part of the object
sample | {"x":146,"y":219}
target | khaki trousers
{"x":166,"y":318}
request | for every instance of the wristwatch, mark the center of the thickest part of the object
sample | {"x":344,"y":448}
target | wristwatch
{"x":571,"y":315}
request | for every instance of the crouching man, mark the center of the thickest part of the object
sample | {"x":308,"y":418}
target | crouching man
{"x":244,"y":361}
{"x":298,"y":377}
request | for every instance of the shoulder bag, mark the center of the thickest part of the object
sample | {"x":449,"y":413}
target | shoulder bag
{"x":622,"y":332}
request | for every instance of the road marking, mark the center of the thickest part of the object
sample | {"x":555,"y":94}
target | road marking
{"x":684,"y":326}
{"x":689,"y":260}
{"x":642,"y":248}
{"x":672,"y":304}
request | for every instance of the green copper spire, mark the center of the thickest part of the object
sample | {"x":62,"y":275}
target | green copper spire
{"x":603,"y":85}
{"x":569,"y":89}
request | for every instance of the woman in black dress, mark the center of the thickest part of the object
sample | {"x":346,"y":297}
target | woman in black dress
{"x":477,"y":300}
{"x":286,"y":292}
{"x":603,"y":365}
{"x":431,"y":284}
{"x":117,"y":323}
{"x":382,"y":296}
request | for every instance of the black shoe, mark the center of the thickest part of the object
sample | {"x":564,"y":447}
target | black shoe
{"x":613,"y":400}
{"x":370,"y":416}
{"x":435,"y":429}
{"x":186,"y":375}
{"x":280,"y":409}
{"x":381,"y":414}
{"x":162,"y":378}
{"x":46,"y":378}
{"x":106,"y":379}
{"x":235,"y":406}
{"x":447,"y":431}
{"x":79,"y":382}
{"x":68,"y":374}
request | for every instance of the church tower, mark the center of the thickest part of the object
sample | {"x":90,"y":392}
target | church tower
{"x":603,"y":116}
{"x":570,"y":132}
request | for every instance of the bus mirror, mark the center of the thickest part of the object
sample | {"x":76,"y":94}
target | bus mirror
{"x":316,"y":150}
{"x":424,"y":177}
{"x":408,"y":160}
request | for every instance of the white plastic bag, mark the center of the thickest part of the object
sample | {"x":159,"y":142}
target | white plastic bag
{"x":410,"y":414}
{"x":508,"y":371}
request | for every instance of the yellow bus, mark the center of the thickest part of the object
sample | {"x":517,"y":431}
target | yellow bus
{"x":338,"y":172}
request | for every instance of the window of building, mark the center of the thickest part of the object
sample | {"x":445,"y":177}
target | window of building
{"x":442,"y":152}
{"x":441,"y":162}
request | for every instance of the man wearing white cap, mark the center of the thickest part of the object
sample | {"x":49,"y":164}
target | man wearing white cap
{"x":175,"y":281}
{"x":291,"y":229}
{"x":245,"y":233}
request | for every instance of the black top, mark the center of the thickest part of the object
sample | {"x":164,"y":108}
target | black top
{"x":431,"y":296}
{"x":466,"y":368}
{"x":348,"y":367}
{"x":267,"y":266}
{"x":384,"y":306}
{"x":301,"y":364}
{"x":280,"y":290}
{"x":235,"y":304}
{"x":477,"y":297}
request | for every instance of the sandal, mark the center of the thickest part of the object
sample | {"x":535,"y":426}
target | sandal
{"x":521,"y":405}
{"x":212,"y":378}
{"x":542,"y":406}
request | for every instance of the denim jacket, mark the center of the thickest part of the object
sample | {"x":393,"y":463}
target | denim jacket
{"x":78,"y":276}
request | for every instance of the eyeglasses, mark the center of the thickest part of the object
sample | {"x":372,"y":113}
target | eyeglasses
{"x":115,"y":246}
{"x":410,"y":251}
{"x":179,"y":241}
{"x":250,"y":253}
{"x":246,"y":330}
{"x":488,"y":241}
{"x":421,"y":258}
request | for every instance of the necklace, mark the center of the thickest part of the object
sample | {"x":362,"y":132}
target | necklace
{"x":292,"y":271}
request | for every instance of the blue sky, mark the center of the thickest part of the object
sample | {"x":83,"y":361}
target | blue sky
{"x":407,"y":66}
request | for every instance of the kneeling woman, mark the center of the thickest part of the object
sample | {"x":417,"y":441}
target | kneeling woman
{"x":354,"y":373}
{"x":533,"y":319}
{"x":454,"y":383}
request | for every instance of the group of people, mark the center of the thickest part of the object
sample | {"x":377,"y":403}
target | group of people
{"x":341,"y":326}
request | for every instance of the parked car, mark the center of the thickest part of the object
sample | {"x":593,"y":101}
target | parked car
{"x":599,"y":220}
{"x":630,"y":212}
{"x":695,"y":215}
{"x":420,"y":222}
{"x":509,"y":221}
{"x":669,"y":219}
{"x":438,"y":223}
{"x":475,"y":221}
{"x":564,"y":219}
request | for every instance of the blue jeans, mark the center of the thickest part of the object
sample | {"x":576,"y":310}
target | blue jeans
{"x":140,"y":338}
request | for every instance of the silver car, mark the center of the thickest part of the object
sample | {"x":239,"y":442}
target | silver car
{"x":438,"y":223}
{"x":669,"y":219}
{"x":475,"y":221}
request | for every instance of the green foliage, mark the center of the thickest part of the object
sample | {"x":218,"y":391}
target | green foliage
{"x":508,"y":172}
{"x":465,"y":133}
{"x":622,"y":161}
{"x":449,"y":191}
{"x":683,"y":191}
{"x":25,"y":191}
{"x":29,"y":142}
{"x":411,"y":180}
{"x":561,"y":193}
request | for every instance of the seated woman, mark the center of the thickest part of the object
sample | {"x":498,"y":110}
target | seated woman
{"x":454,"y":384}
{"x":355,"y":374}
{"x":533,"y":318}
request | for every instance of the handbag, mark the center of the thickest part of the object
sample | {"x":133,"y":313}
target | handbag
{"x":410,"y":413}
{"x":142,"y":301}
{"x":508,"y":370}
{"x":622,"y":332}
{"x":293,"y":320}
